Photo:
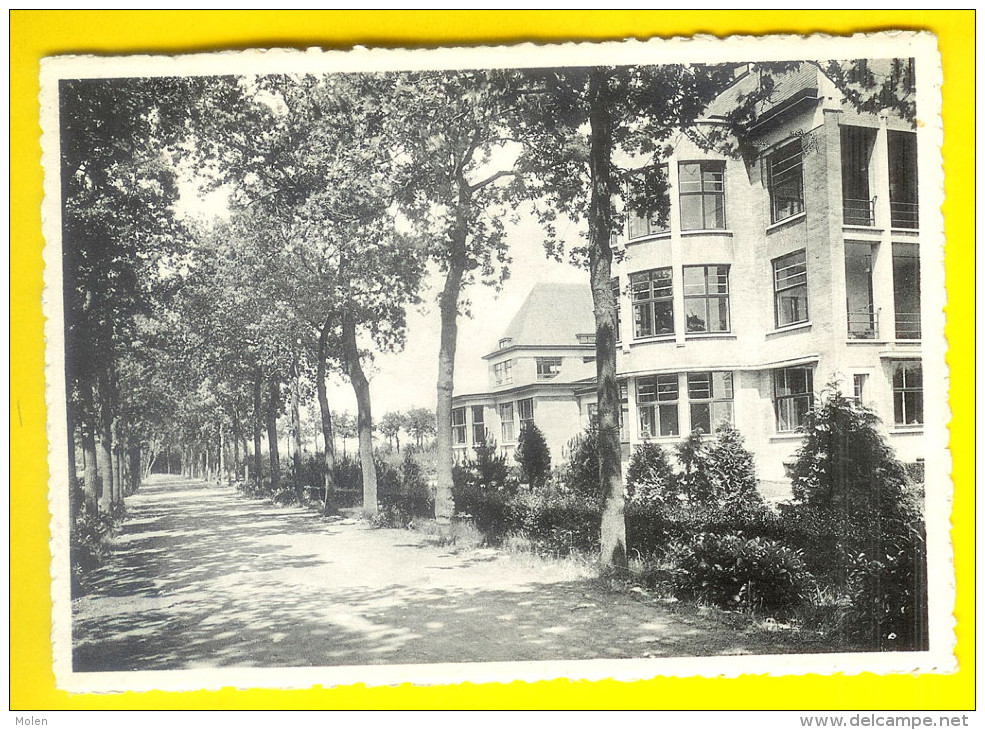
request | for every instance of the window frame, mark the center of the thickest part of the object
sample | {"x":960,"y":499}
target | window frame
{"x":650,"y":226}
{"x":702,"y":193}
{"x":791,"y":414}
{"x":617,"y":296}
{"x":715,"y":402}
{"x":459,"y":430}
{"x":551,"y":373}
{"x":655,"y":408}
{"x":790,"y":157}
{"x":478,"y":437}
{"x":525,"y":419}
{"x":504,"y":408}
{"x":503,"y":372}
{"x":901,"y":391}
{"x":708,"y":297}
{"x":779,"y":290}
{"x":649,"y":303}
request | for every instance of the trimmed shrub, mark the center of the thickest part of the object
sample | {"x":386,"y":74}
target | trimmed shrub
{"x":581,"y":473}
{"x":731,"y":571}
{"x":650,"y":479}
{"x":404,"y":494}
{"x":533,"y":456}
{"x":561,"y":523}
{"x":483,"y":490}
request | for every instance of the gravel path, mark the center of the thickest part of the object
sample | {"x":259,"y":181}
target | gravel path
{"x":202,"y":577}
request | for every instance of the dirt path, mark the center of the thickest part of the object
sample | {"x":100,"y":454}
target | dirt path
{"x":201,"y":577}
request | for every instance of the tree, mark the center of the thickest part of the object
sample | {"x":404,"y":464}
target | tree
{"x":575,"y":122}
{"x":345,"y":427}
{"x":420,"y":424}
{"x":533,"y":455}
{"x":390,"y":426}
{"x":450,"y":129}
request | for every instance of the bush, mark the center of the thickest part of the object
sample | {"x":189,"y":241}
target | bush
{"x":560,"y":523}
{"x":533,"y":456}
{"x":581,"y":473}
{"x":733,"y":471}
{"x":404,"y":494}
{"x":483,"y":490}
{"x":734,"y":572}
{"x":650,"y":478}
{"x":87,"y":537}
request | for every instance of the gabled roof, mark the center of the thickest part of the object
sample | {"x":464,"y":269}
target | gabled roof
{"x":552,"y":314}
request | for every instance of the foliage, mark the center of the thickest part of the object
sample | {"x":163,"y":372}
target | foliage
{"x":483,"y":490}
{"x":406,"y":497}
{"x":560,"y":523}
{"x":533,"y":456}
{"x":88,"y":532}
{"x":735,"y":572}
{"x":650,"y":478}
{"x":581,"y":473}
{"x":420,"y":423}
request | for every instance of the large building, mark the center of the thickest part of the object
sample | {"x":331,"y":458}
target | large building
{"x":775,"y":274}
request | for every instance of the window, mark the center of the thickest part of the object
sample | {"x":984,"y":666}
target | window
{"x":858,"y":388}
{"x":904,"y":209}
{"x":710,"y":399}
{"x":478,"y":425}
{"x":506,"y":420}
{"x":505,"y":342}
{"x":862,"y":315}
{"x":647,"y":202}
{"x":702,"y":191}
{"x":548,"y":367}
{"x":653,"y":302}
{"x":906,"y":290}
{"x":656,"y":397}
{"x":785,"y":181}
{"x":526,"y":411}
{"x":793,"y":390}
{"x":856,"y":150}
{"x":458,"y":429}
{"x":908,"y":393}
{"x":503,"y":372}
{"x":790,"y":288}
{"x":617,"y":298}
{"x":706,"y":298}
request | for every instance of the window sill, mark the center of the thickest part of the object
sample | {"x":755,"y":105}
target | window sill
{"x":915,"y":341}
{"x":806,"y":326}
{"x":654,"y":338}
{"x":786,"y":222}
{"x":875,"y":230}
{"x":900,"y":429}
{"x":710,"y":336}
{"x":706,"y":232}
{"x":784,"y":436}
{"x":862,"y":341}
{"x":648,"y":237}
{"x":905,"y":231}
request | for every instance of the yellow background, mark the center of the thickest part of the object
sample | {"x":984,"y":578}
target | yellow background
{"x":34,"y":34}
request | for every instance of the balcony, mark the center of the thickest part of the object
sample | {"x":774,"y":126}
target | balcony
{"x":859,"y":212}
{"x":863,"y":325}
{"x":904,"y":215}
{"x":907,"y":326}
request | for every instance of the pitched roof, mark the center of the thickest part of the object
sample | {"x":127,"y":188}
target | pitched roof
{"x":801,"y":80}
{"x":553,"y":314}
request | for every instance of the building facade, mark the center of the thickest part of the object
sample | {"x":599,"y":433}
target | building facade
{"x":772,"y":275}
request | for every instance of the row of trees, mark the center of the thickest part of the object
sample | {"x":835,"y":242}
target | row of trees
{"x":345,"y":190}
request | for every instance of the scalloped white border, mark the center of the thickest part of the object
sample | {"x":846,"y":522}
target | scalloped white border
{"x":922,"y":46}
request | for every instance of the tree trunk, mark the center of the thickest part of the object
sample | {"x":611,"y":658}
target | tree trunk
{"x":116,"y":497}
{"x":73,"y":480}
{"x":613,"y":536}
{"x":223,"y":466}
{"x":257,"y":432}
{"x":364,"y":415}
{"x":273,"y":406}
{"x":88,"y":433}
{"x":104,"y":457}
{"x":326,"y":423}
{"x":296,"y":427}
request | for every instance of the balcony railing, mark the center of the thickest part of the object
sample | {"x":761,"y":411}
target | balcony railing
{"x":907,"y":326}
{"x":859,"y":212}
{"x":863,"y":325}
{"x":904,"y":215}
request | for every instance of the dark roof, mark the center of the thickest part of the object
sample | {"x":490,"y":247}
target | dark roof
{"x":553,"y":314}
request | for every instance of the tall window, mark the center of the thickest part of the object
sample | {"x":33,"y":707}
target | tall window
{"x":856,"y":151}
{"x":862,"y":319}
{"x":478,"y":425}
{"x":458,"y":428}
{"x":903,"y":191}
{"x":906,"y":290}
{"x":858,"y":388}
{"x":706,"y":298}
{"x":710,"y":398}
{"x":653,"y":302}
{"x":702,"y":191}
{"x":647,"y":202}
{"x":793,"y":396}
{"x":525,"y":408}
{"x":790,"y":288}
{"x":506,"y":421}
{"x":617,"y":298}
{"x":503,"y":372}
{"x":908,"y":393}
{"x":548,"y":368}
{"x":657,"y":400}
{"x":785,"y":181}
